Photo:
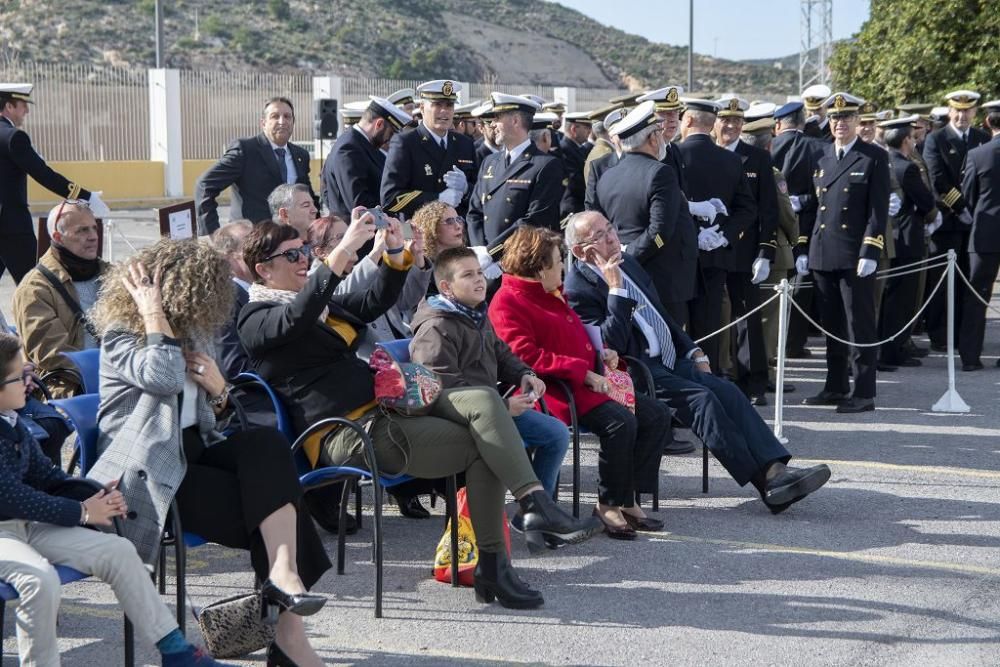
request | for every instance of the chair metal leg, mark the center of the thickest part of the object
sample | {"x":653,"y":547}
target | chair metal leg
{"x":180,"y":566}
{"x":345,"y":498}
{"x":129,"y":643}
{"x":74,"y":461}
{"x":452,"y":490}
{"x":576,"y":473}
{"x":161,"y":576}
{"x":377,"y":543}
{"x":704,"y":468}
{"x":656,"y":496}
{"x":357,"y":502}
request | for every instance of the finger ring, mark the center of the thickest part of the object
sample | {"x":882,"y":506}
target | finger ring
{"x":199,"y":369}
{"x":145,"y":280}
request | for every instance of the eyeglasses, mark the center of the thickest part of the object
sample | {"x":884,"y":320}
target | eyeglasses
{"x":292,"y":254}
{"x":22,"y":378}
{"x":600,"y":236}
{"x":457,"y":221}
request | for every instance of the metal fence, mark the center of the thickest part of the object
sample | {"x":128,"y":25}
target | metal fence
{"x":85,"y":112}
{"x":94,"y":112}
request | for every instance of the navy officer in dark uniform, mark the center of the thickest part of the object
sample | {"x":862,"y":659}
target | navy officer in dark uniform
{"x":597,"y":167}
{"x":981,"y":191}
{"x":852,"y":188}
{"x":944,"y":151}
{"x":813,"y":97}
{"x":432,"y":162}
{"x":517,"y":185}
{"x":352,"y":172}
{"x":576,"y":129}
{"x":642,"y":198}
{"x":668,"y":110}
{"x":18,"y":160}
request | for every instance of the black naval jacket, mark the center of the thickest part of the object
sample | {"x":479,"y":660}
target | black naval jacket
{"x":853,"y":196}
{"x":981,"y":189}
{"x":643,"y":200}
{"x":250,"y":166}
{"x":597,"y":169}
{"x":18,"y":160}
{"x":944,"y":152}
{"x":415,"y":168}
{"x":574,"y":157}
{"x":918,"y":201}
{"x":352,"y":174}
{"x":761,"y":238}
{"x":525,"y":193}
{"x":716,"y":172}
{"x":797,"y":156}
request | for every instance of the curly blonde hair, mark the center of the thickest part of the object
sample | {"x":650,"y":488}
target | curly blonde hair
{"x":426,"y":219}
{"x":196,"y":289}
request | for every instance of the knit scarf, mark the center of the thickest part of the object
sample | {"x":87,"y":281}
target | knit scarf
{"x":441,"y":302}
{"x":259,"y":292}
{"x":78,"y":268}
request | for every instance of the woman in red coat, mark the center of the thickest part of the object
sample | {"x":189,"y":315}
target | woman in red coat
{"x":530,"y":314}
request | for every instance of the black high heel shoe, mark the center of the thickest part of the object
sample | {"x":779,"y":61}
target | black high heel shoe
{"x":544,"y":520}
{"x":495,"y":579}
{"x":274,"y":601}
{"x":277,"y":658}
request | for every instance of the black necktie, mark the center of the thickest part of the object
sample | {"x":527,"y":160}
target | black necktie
{"x":840,"y":154}
{"x":282,"y":167}
{"x":506,"y":158}
{"x":442,"y":144}
{"x":965,"y":138}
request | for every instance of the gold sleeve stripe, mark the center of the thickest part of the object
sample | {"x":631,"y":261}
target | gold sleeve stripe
{"x":769,"y":244}
{"x":496,"y":250}
{"x":803,"y":239}
{"x":404,"y":199}
{"x":878,"y":242}
{"x":951,"y":197}
{"x":74,"y":191}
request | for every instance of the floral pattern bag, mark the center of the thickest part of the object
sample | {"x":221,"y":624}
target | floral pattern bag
{"x":406,"y":387}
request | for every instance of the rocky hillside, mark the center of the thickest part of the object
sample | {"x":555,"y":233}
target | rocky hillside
{"x":515,"y":41}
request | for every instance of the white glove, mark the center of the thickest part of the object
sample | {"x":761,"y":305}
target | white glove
{"x":493,"y":271}
{"x":455,"y":180}
{"x":895,"y":203}
{"x":964,"y":217}
{"x":98,"y":207}
{"x":932,"y":227}
{"x":720,"y":207}
{"x":761,"y":270}
{"x":702,"y":209}
{"x":451,"y":197}
{"x":720,"y":240}
{"x":796,"y":204}
{"x":483,"y":255}
{"x":708,"y":237}
{"x":802,"y":264}
{"x":866,"y":267}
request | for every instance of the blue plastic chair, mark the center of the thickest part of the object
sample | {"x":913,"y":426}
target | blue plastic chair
{"x":88,"y":362}
{"x":85,"y":408}
{"x":82,"y":414}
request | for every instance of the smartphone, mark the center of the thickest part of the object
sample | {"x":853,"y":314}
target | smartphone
{"x":381,"y":221}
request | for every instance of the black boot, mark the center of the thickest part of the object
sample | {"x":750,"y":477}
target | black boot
{"x":495,"y":579}
{"x":544,"y":519}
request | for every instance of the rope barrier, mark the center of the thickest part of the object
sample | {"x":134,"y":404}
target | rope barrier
{"x":901,"y":270}
{"x":974,"y":292}
{"x":882,"y":342}
{"x":736,"y":321}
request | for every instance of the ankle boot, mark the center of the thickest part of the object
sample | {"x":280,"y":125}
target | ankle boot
{"x":545,"y":521}
{"x":495,"y":579}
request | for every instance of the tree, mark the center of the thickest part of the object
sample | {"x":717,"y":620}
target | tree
{"x":912,"y":52}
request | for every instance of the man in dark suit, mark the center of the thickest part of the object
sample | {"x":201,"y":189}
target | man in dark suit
{"x":18,"y":160}
{"x":352,"y":172}
{"x":612,"y":291}
{"x":713,"y":173}
{"x":749,"y":261}
{"x":518,"y":185}
{"x":944,"y":151}
{"x":576,"y":129}
{"x":981,"y":191}
{"x":432,"y":162}
{"x":844,"y":245}
{"x":642,"y":198}
{"x":899,"y":300}
{"x":252,"y":168}
{"x":796,"y":155}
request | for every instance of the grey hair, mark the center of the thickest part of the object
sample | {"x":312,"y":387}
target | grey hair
{"x":702,"y":119}
{"x":58,"y":213}
{"x":570,"y":234}
{"x":633,"y":142}
{"x":281,"y":196}
{"x":224,"y":238}
{"x":760,"y":139}
{"x":536,"y":135}
{"x":599,"y":130}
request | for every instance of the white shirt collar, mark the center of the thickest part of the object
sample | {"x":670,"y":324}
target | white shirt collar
{"x":846,"y":149}
{"x":361,"y":132}
{"x":520,"y":148}
{"x":958,"y":132}
{"x":732,"y":147}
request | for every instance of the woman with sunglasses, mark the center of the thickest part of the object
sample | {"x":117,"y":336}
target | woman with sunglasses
{"x":161,"y":395}
{"x":442,"y":228}
{"x":302,"y":337}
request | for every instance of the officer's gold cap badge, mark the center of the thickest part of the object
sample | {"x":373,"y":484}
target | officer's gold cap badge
{"x":448,"y":88}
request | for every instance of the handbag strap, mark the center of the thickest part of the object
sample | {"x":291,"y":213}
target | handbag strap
{"x":72,"y":303}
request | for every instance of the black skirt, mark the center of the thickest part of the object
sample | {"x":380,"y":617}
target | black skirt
{"x":232,"y":486}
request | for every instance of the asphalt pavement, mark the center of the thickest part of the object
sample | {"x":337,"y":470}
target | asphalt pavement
{"x":894,"y":562}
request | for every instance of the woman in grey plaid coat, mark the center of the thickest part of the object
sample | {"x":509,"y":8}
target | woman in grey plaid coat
{"x":161,"y":391}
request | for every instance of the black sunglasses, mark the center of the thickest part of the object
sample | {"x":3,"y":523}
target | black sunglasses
{"x":293,"y":254}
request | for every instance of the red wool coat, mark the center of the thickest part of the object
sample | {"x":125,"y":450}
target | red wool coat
{"x":547,"y":335}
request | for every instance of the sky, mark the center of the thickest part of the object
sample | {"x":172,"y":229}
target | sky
{"x":731,"y":29}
